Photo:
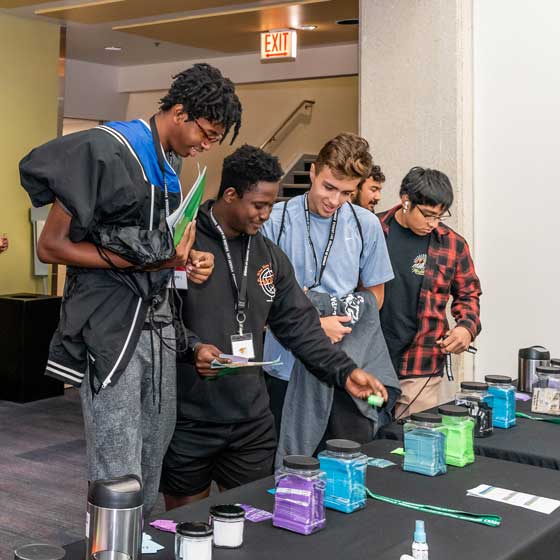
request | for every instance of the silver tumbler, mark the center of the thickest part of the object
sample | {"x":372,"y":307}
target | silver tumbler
{"x":528,"y":360}
{"x":114,"y":516}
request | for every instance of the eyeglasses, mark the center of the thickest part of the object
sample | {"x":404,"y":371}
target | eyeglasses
{"x":211,"y":137}
{"x":431,"y":218}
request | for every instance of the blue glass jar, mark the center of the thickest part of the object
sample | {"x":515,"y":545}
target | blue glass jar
{"x":479,"y":402}
{"x":503,"y":410}
{"x":424,"y":444}
{"x":345,"y":467}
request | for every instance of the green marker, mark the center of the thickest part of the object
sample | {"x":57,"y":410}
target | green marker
{"x":375,"y":400}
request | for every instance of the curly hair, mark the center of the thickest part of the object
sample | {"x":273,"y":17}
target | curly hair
{"x":248,"y":165}
{"x":376,"y":174}
{"x":346,"y":155}
{"x":427,"y":186}
{"x":205,"y":93}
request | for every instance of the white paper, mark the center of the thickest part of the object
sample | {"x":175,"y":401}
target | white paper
{"x":527,"y":501}
{"x":174,"y":217}
{"x":149,"y":546}
{"x":217,"y":365}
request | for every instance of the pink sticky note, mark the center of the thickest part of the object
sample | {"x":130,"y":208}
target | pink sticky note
{"x":164,"y":525}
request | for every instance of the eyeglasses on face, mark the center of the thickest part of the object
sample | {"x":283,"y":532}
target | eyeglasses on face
{"x":434,"y":218}
{"x":212,"y":137}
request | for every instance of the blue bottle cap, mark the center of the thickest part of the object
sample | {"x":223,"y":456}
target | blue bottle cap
{"x":420,"y":532}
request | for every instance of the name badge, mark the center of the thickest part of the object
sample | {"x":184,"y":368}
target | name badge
{"x":180,"y":277}
{"x":242,"y":345}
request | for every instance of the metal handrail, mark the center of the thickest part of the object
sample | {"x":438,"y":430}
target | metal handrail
{"x":307,"y":103}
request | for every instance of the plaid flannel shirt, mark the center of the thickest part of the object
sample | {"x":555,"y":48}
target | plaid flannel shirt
{"x":449,"y":271}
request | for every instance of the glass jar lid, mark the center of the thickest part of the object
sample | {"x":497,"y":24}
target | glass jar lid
{"x":228,"y":511}
{"x":497,"y":379}
{"x":548,"y":369}
{"x":301,"y":462}
{"x":343,"y":446}
{"x":474,"y":386}
{"x":194,"y":529}
{"x":453,"y":410}
{"x":430,"y":417}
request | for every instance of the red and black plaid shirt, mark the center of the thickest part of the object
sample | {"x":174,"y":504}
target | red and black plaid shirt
{"x":449,"y":271}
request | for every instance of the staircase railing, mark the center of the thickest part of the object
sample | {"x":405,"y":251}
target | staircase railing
{"x":306,"y":103}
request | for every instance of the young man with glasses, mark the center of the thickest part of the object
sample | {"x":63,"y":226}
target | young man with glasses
{"x":431,"y":262}
{"x":112,"y":188}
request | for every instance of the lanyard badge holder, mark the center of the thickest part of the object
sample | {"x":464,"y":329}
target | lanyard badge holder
{"x":241,"y":343}
{"x":328,"y":248}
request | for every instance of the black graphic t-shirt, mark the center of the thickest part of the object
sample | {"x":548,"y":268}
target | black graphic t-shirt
{"x":408,"y":253}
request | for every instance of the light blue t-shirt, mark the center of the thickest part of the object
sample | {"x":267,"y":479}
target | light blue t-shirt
{"x":345,"y":267}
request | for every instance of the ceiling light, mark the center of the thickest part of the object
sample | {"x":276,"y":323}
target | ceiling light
{"x":352,"y":21}
{"x":307,"y":27}
{"x":113,"y":48}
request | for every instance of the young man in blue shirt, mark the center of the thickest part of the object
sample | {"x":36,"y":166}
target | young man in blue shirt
{"x":335,"y":248}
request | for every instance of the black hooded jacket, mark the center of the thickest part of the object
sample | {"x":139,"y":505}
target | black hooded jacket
{"x":273,"y":298}
{"x":102,"y":182}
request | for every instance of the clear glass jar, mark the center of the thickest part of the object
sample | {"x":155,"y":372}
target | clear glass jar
{"x":548,"y":376}
{"x":228,"y":522}
{"x":193,"y":541}
{"x":345,"y":467}
{"x":299,"y":501}
{"x":424,"y":444}
{"x":546,"y":393}
{"x":503,"y":409}
{"x":459,"y":432}
{"x":479,"y":402}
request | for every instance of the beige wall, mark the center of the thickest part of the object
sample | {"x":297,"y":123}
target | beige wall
{"x":416,"y":100}
{"x":28,"y":113}
{"x":265,"y":106}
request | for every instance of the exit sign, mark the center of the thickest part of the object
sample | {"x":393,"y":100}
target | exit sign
{"x":278,"y":45}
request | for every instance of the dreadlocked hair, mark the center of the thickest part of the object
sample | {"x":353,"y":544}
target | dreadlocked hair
{"x":205,"y":93}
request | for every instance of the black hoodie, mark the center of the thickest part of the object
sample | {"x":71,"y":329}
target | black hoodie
{"x":273,"y":298}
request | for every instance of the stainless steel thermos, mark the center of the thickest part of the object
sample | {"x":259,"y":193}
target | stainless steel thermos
{"x":114,"y":516}
{"x":529,"y":359}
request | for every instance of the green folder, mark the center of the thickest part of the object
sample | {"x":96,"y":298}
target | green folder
{"x":186,"y":213}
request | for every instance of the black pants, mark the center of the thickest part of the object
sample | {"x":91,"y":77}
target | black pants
{"x":277,"y":393}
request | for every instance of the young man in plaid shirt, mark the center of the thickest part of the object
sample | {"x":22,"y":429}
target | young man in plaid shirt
{"x":431,"y":263}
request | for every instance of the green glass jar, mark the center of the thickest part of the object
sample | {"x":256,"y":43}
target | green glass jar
{"x":459,"y":429}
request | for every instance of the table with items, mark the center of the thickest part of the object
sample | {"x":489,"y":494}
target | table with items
{"x":460,"y":526}
{"x":532,"y":442}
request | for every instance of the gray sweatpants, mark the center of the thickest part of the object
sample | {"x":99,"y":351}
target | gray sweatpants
{"x":125,"y":432}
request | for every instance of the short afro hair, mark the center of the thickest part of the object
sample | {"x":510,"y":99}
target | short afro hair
{"x":248,"y":165}
{"x":205,"y":93}
{"x":427,"y":186}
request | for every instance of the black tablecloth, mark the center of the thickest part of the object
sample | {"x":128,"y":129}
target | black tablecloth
{"x":529,"y":441}
{"x":383,"y":532}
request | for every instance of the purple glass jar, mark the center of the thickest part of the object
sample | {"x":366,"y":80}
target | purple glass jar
{"x":299,"y":502}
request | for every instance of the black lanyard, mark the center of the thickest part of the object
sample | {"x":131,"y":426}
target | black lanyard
{"x":159,"y":153}
{"x":326,"y":254}
{"x":239,"y":292}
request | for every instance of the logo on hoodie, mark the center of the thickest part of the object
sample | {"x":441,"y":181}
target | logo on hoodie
{"x":265,"y":278}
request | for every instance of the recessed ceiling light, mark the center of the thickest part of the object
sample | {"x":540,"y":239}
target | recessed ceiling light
{"x":353,"y":21}
{"x":307,"y":27}
{"x":112,"y":48}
